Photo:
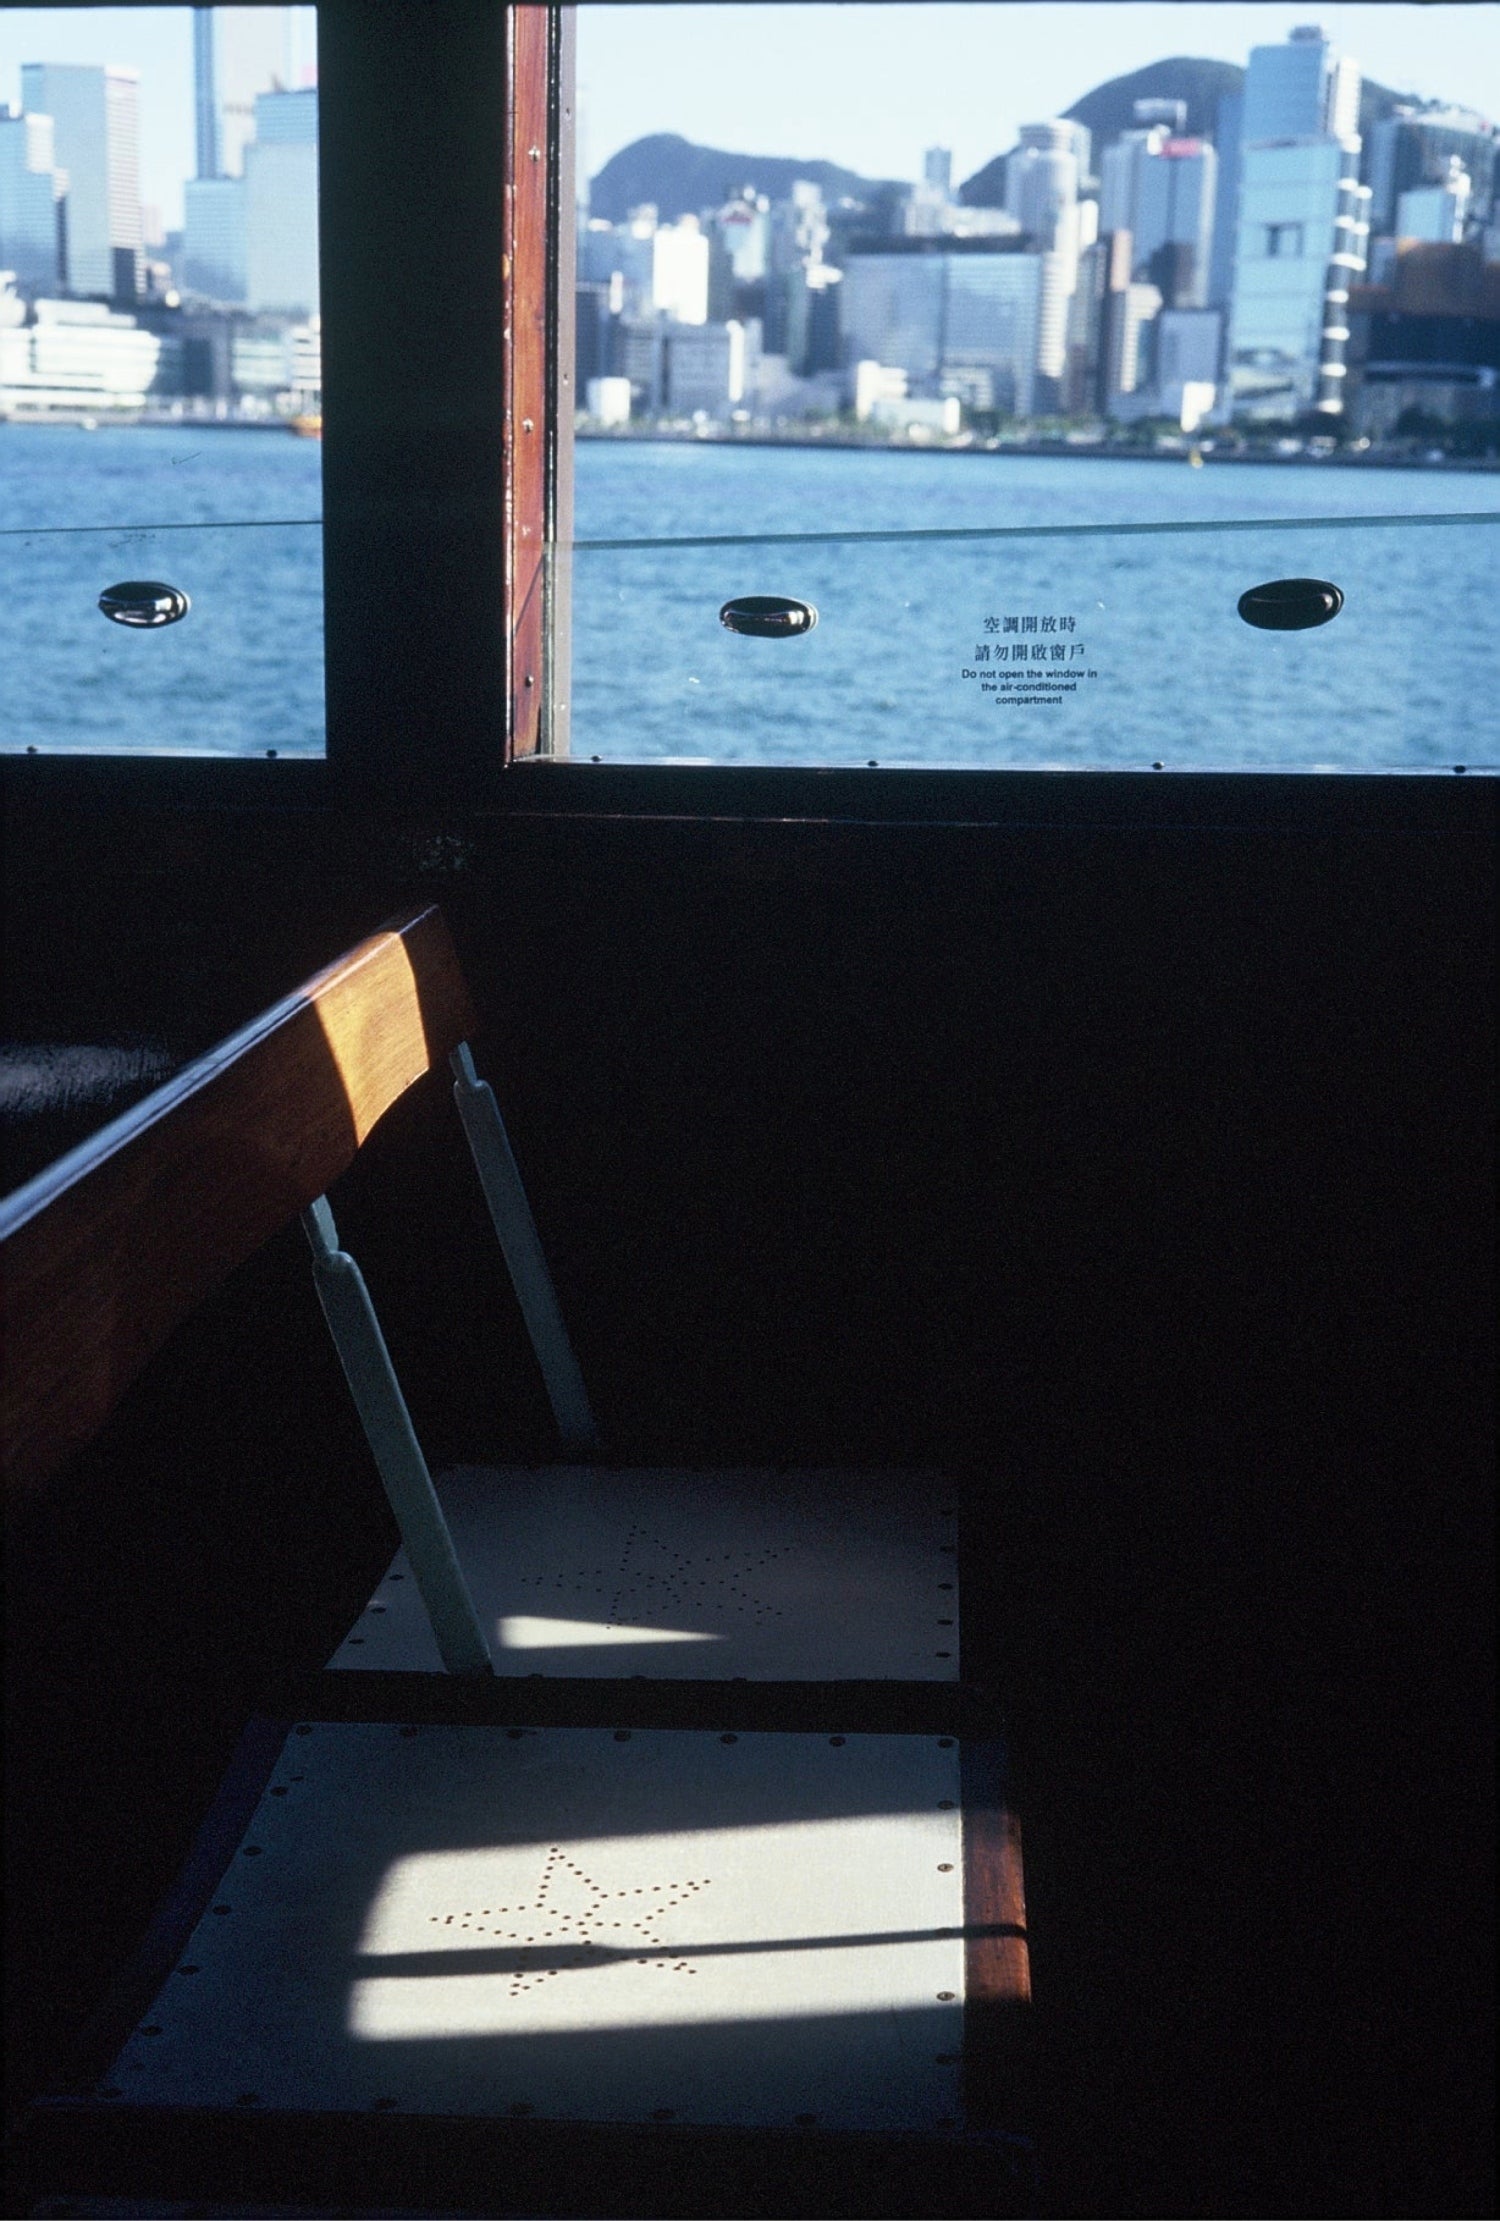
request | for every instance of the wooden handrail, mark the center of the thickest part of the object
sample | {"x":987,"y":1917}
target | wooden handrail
{"x":105,"y":1252}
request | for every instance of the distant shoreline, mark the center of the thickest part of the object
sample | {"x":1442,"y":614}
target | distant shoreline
{"x":1093,"y":451}
{"x":1101,"y":451}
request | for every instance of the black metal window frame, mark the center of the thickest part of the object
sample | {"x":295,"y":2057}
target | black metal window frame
{"x":413,"y":181}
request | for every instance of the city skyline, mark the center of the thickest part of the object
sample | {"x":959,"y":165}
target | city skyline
{"x":700,"y":71}
{"x":856,"y":96}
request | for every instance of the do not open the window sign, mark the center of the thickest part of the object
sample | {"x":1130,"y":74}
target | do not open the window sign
{"x":1028,"y":659}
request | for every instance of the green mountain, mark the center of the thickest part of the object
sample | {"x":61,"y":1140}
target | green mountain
{"x":682,"y":179}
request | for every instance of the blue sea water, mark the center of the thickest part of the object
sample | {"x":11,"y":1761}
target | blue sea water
{"x":904,"y":666}
{"x":1154,"y":665}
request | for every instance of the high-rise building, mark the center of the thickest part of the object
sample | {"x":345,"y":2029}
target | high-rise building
{"x":1436,"y":211}
{"x":1131,"y":361}
{"x":252,"y":56}
{"x":1173,"y":218}
{"x":962,"y":321}
{"x":1301,"y":89}
{"x":1229,"y":132}
{"x":679,"y":271}
{"x":705,"y":366}
{"x":1189,"y":342}
{"x":96,"y":139}
{"x":215,"y":243}
{"x":1414,"y":147}
{"x":30,"y":190}
{"x":812,"y":338}
{"x":205,"y":95}
{"x":1302,"y":230}
{"x":1119,"y":176}
{"x":281,"y":205}
{"x":1042,"y":177}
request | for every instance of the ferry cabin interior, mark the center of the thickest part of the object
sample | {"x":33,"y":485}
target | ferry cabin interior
{"x":1070,"y":1193}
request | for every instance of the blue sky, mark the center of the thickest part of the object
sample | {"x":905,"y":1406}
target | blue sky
{"x":866,"y":85}
{"x":871,"y":86}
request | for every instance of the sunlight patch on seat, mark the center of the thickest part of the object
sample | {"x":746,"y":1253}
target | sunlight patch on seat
{"x":576,"y":1634}
{"x":727,"y":1925}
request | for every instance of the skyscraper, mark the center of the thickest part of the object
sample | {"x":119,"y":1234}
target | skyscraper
{"x":1436,"y":211}
{"x":281,"y":204}
{"x":1414,"y":146}
{"x":214,"y":238}
{"x":1173,"y":217}
{"x":96,"y":139}
{"x":238,"y":53}
{"x":1229,"y":132}
{"x":960,"y":320}
{"x":1302,"y":230}
{"x":1301,"y":90}
{"x":205,"y":95}
{"x":1042,"y":178}
{"x":30,"y":188}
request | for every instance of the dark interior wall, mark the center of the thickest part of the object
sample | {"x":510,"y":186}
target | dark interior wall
{"x":1142,"y":1173}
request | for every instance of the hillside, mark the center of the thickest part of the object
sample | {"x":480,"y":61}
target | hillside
{"x":683,"y":179}
{"x":1110,"y":109}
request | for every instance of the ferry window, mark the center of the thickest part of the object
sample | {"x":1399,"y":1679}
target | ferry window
{"x":1111,"y":405}
{"x":160,"y":382}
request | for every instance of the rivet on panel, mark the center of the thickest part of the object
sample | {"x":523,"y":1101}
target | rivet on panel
{"x":946,"y":1867}
{"x":946,"y":1997}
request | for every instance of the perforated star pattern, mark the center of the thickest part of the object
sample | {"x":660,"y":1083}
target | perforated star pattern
{"x":574,"y":1922}
{"x":652,"y":1576}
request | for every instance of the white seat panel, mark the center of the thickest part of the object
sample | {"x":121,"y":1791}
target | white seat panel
{"x":580,"y":1924}
{"x":578,"y":1571}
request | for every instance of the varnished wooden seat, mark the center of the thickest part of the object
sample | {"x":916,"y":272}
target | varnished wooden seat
{"x":105,"y":1251}
{"x":418,"y":1919}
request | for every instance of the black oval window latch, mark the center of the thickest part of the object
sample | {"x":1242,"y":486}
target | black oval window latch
{"x":144,"y":601}
{"x":768,"y":616}
{"x":1291,"y":604}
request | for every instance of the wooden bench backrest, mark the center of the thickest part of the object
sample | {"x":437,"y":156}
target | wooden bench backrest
{"x":107,"y":1250}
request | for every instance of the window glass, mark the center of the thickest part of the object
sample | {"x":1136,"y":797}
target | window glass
{"x":160,"y":381}
{"x":1039,"y":322}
